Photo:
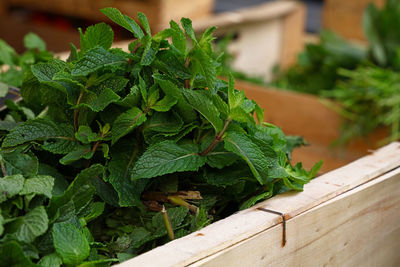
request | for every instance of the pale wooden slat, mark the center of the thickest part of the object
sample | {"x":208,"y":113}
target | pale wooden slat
{"x":358,"y":228}
{"x":247,"y":223}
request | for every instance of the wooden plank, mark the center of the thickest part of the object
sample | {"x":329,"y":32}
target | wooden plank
{"x":345,"y":17}
{"x":293,"y":36}
{"x":248,"y":223}
{"x":358,"y":228}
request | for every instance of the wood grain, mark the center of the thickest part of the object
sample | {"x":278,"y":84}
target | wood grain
{"x":358,"y":228}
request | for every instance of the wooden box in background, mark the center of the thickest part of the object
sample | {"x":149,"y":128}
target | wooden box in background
{"x":159,"y":12}
{"x":345,"y":16}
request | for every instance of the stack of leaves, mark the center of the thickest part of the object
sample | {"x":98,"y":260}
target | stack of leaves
{"x":128,"y":150}
{"x":369,"y":98}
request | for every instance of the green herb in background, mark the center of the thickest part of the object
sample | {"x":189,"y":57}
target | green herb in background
{"x":369,"y":98}
{"x":13,"y":65}
{"x":317,"y":66}
{"x":109,"y":138}
{"x":381,"y":27}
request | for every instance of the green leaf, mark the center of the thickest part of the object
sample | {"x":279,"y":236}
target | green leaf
{"x":10,"y":186}
{"x":238,"y":114}
{"x":81,"y":152}
{"x":164,"y":104}
{"x":145,"y":23}
{"x":139,"y":237}
{"x":123,"y":157}
{"x":33,"y":41}
{"x":178,"y":37}
{"x":204,"y":65}
{"x":253,"y":200}
{"x":32,"y":225}
{"x":3,"y":89}
{"x":176,"y":215}
{"x":163,"y":122}
{"x":167,"y":157}
{"x":187,"y":26}
{"x":242,"y":146}
{"x":51,"y":260}
{"x":1,"y":223}
{"x":202,"y":103}
{"x":126,"y":122}
{"x":218,"y":157}
{"x":45,"y":71}
{"x":150,"y":51}
{"x":57,"y":138}
{"x":7,"y":53}
{"x":70,"y":243}
{"x":80,"y":191}
{"x":95,"y":211}
{"x":95,"y":59}
{"x":227,"y":176}
{"x":235,"y":97}
{"x":99,"y":34}
{"x":12,"y":254}
{"x":17,"y":162}
{"x":38,"y":185}
{"x":99,"y":100}
{"x":124,"y":21}
{"x":168,"y":87}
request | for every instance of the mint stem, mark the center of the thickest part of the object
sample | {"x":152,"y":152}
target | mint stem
{"x":3,"y":168}
{"x":167,"y":223}
{"x":76,"y":111}
{"x":216,"y":140}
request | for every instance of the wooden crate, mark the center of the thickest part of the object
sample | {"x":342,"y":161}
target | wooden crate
{"x":267,"y":35}
{"x":305,"y":115}
{"x":345,"y":17}
{"x":159,"y":12}
{"x":347,"y":217}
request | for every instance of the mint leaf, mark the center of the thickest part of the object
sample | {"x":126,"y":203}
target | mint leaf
{"x":202,"y":103}
{"x":32,"y":225}
{"x":38,"y":185}
{"x":7,"y":54}
{"x":81,"y":152}
{"x":3,"y":89}
{"x":10,"y":186}
{"x":124,"y":21}
{"x":17,"y":162}
{"x":99,"y":100}
{"x":242,"y":146}
{"x":70,"y":243}
{"x":33,"y":41}
{"x":44,"y":72}
{"x":187,"y":26}
{"x":227,"y":176}
{"x":167,"y":157}
{"x":51,"y":260}
{"x":12,"y":254}
{"x":145,"y":23}
{"x":178,"y":37}
{"x":57,"y":138}
{"x":235,"y":97}
{"x":99,"y":34}
{"x":164,"y":104}
{"x":204,"y":65}
{"x":95,"y":59}
{"x":126,"y":122}
{"x":168,"y":87}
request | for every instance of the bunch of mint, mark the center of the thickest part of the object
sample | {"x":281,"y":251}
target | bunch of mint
{"x":123,"y":151}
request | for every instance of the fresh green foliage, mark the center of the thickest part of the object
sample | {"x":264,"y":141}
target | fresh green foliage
{"x":369,"y":98}
{"x":106,"y":140}
{"x":317,"y":66}
{"x":381,"y":27}
{"x":13,"y":65}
